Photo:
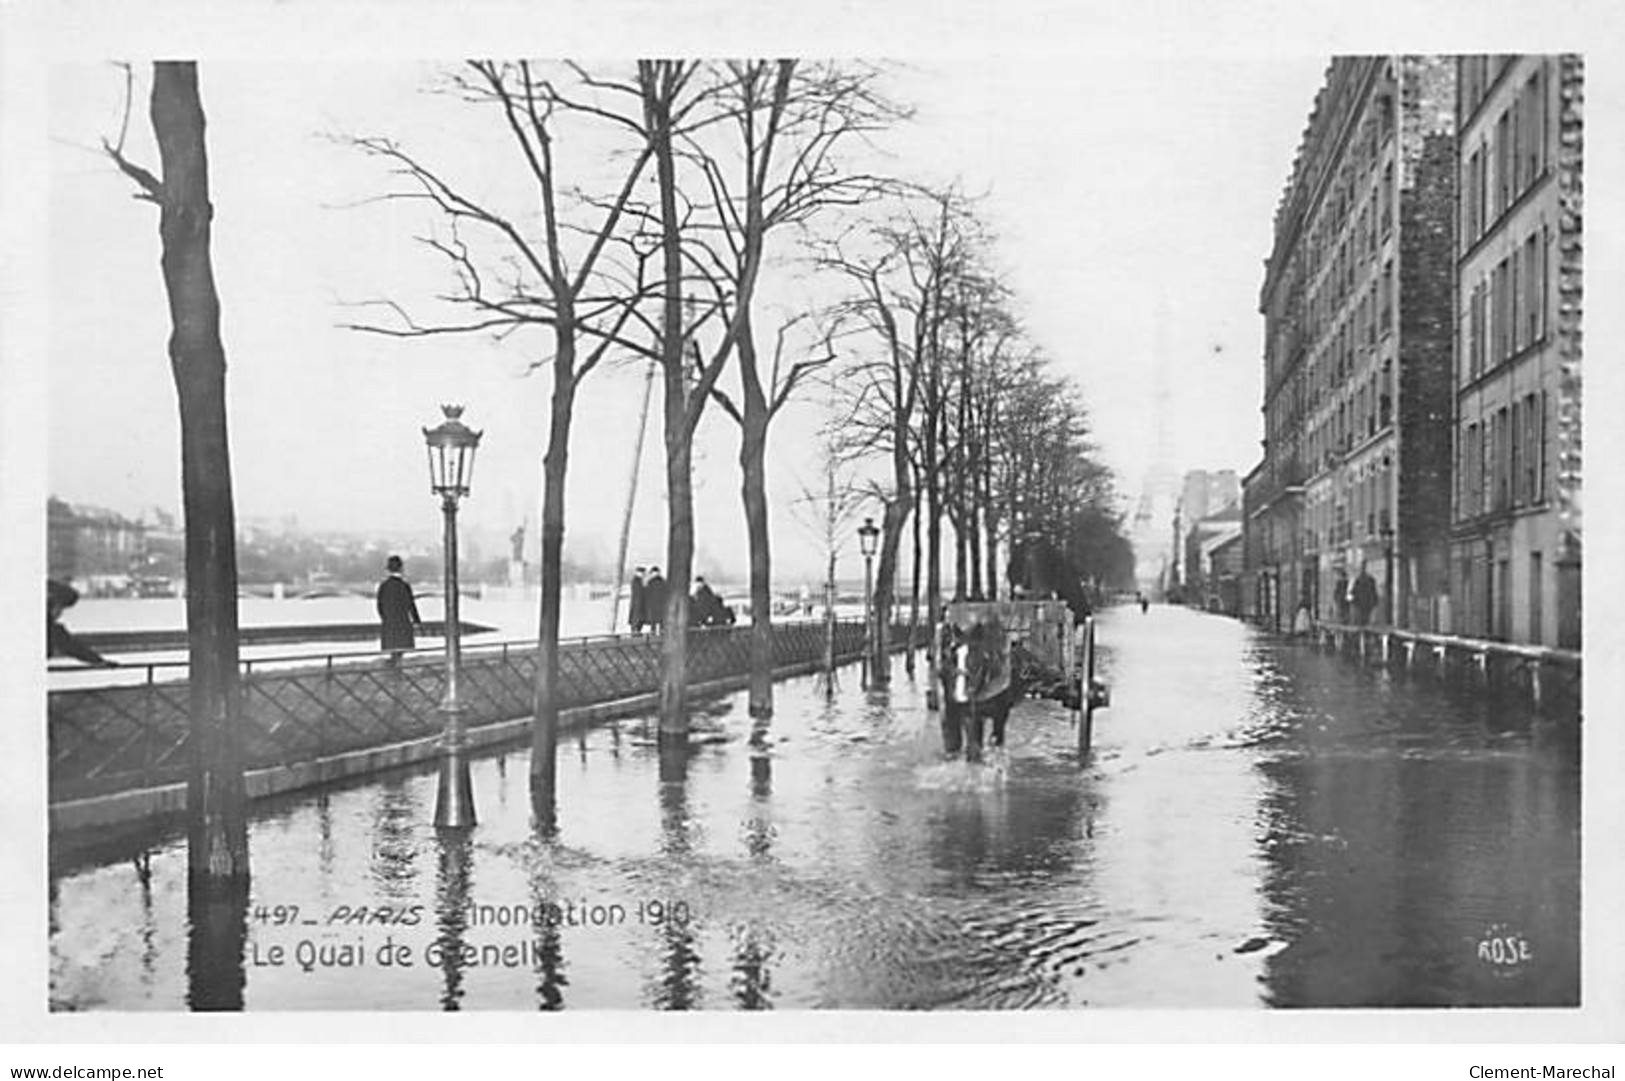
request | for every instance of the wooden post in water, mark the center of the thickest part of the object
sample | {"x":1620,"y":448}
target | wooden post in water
{"x":1086,"y":719}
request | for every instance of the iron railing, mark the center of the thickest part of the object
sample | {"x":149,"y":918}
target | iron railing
{"x":131,"y":729}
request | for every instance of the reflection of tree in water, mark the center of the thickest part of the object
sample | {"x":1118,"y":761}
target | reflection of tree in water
{"x":397,"y":815}
{"x":149,"y":922}
{"x":758,"y":828}
{"x":324,"y":833}
{"x":677,"y":987}
{"x":752,"y":980}
{"x":217,"y":930}
{"x":452,"y":890}
{"x":548,"y":942}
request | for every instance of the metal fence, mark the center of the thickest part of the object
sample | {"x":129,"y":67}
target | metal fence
{"x":1549,"y":679}
{"x":298,"y":709}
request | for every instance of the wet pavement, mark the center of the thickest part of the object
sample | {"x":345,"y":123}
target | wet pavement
{"x":1260,"y":825}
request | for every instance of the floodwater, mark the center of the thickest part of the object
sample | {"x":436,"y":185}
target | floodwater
{"x":1260,"y":825}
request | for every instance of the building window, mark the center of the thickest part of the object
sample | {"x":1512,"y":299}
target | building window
{"x":1534,"y":128}
{"x":1534,"y":274}
{"x":1503,"y":453}
{"x":1385,"y":199}
{"x":1499,"y":315}
{"x":1388,"y":295}
{"x":1481,"y":186}
{"x":1515,"y":113}
{"x":1469,"y":205}
{"x":1541,"y":438}
{"x":1516,"y":299}
{"x":1515,"y":459}
{"x":1473,"y":468}
{"x":1503,"y":163}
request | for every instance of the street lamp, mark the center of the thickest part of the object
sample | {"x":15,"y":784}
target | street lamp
{"x":868,"y":536}
{"x":451,"y":465}
{"x":1388,"y":573}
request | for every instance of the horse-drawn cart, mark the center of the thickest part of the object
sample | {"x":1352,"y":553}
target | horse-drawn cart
{"x":992,"y":653}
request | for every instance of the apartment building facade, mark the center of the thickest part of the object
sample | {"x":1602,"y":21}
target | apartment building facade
{"x":1357,"y":303}
{"x":1515,"y":523}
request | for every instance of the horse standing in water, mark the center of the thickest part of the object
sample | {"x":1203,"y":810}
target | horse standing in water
{"x":985,"y":667}
{"x":979,"y":684}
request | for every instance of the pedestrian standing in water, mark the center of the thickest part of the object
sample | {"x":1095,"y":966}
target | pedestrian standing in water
{"x":635,"y":614}
{"x":654,"y":600}
{"x":59,"y":641}
{"x":1145,"y":605}
{"x":398,"y":611}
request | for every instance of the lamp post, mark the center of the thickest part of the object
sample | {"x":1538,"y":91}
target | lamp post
{"x":451,"y":465}
{"x":868,"y":536}
{"x":1388,"y":574}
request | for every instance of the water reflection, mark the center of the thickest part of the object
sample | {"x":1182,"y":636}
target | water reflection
{"x":1402,"y":827}
{"x":752,"y":980}
{"x":549,"y":946}
{"x":452,"y":891}
{"x":676,"y":987}
{"x":1261,"y":825}
{"x":397,"y":815}
{"x":217,"y":932}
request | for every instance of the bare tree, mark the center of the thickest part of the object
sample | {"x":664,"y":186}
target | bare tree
{"x":217,"y":824}
{"x":672,"y":109}
{"x":827,"y":513}
{"x":509,"y":278}
{"x":787,"y":121}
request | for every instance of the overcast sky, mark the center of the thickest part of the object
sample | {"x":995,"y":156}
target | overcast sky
{"x":1120,"y":188}
{"x":1131,"y":171}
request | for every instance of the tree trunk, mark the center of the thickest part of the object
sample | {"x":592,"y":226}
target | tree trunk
{"x":973,"y":509}
{"x":679,"y":568}
{"x":933,"y":541}
{"x":679,"y":436}
{"x":914,"y":590}
{"x":753,"y":448}
{"x":990,"y":507}
{"x":555,"y":467}
{"x":753,"y":491}
{"x":217,"y":823}
{"x":885,"y":586}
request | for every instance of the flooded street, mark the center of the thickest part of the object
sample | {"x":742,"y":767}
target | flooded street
{"x":1261,"y":825}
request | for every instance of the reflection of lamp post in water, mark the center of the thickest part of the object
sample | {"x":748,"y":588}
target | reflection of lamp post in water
{"x":868,"y":535}
{"x":451,"y":465}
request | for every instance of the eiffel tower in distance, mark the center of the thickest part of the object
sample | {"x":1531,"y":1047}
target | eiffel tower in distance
{"x":1152,"y":530}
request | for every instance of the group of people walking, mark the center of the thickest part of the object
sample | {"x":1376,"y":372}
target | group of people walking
{"x":1360,"y":596}
{"x":646,"y":608}
{"x":647,"y":604}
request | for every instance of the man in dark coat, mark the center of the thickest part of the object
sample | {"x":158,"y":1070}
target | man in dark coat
{"x":1364,"y":595}
{"x":654,"y":599}
{"x":398,"y":610}
{"x":59,"y":641}
{"x":636,"y":612}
